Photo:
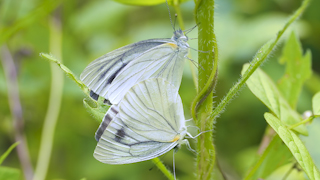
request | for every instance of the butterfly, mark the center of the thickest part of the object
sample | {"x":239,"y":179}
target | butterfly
{"x":148,"y":122}
{"x":114,"y":73}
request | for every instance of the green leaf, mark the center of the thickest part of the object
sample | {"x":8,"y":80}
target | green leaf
{"x":295,"y":145}
{"x":313,"y":83}
{"x":316,"y":104}
{"x":5,"y":154}
{"x":264,"y":89}
{"x":298,"y":70}
{"x":149,"y":2}
{"x":96,"y":110}
{"x":274,"y":156}
{"x":7,"y":173}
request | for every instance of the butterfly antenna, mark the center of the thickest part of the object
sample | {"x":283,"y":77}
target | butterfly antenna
{"x":189,"y":30}
{"x":170,"y":16}
{"x":175,"y":20}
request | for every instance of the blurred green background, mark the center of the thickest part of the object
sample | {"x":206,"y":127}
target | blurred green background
{"x":93,"y":28}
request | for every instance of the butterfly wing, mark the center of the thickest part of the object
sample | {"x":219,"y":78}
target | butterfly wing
{"x":100,"y":73}
{"x":164,"y":61}
{"x":119,"y":144}
{"x":153,"y":109}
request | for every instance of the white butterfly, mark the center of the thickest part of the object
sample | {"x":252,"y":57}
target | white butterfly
{"x":114,"y":73}
{"x":147,"y":123}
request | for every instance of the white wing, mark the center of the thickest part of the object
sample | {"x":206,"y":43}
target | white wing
{"x":100,"y":73}
{"x":118,"y":144}
{"x":163,"y":61}
{"x":153,"y":109}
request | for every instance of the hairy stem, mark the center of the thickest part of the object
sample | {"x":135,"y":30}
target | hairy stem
{"x":207,"y":76}
{"x":162,"y":168}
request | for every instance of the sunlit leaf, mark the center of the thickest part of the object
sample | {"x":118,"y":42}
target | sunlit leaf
{"x":298,"y":69}
{"x":316,"y":104}
{"x":264,"y":89}
{"x":7,"y":173}
{"x":297,"y":148}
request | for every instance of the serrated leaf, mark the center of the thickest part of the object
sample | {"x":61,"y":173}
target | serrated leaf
{"x":261,"y":85}
{"x":5,"y":154}
{"x":66,"y":70}
{"x":298,"y":70}
{"x":295,"y":145}
{"x":316,"y":104}
{"x":7,"y":173}
{"x":274,"y":156}
{"x":147,"y":2}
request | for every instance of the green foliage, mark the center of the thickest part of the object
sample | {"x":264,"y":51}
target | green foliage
{"x":296,"y":146}
{"x":316,"y":104}
{"x":96,"y":110}
{"x":298,"y":70}
{"x":7,"y":173}
{"x":273,"y":157}
{"x":263,"y":88}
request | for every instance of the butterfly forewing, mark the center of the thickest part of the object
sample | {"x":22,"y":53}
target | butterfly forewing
{"x":159,"y":62}
{"x":100,"y":73}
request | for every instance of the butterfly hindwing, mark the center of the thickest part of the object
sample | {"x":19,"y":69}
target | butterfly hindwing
{"x":153,"y":109}
{"x":118,"y":144}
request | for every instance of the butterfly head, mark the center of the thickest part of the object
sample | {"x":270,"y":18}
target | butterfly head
{"x":180,"y":38}
{"x":178,"y":35}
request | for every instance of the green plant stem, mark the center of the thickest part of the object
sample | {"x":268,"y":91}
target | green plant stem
{"x":54,"y":103}
{"x":207,"y":72}
{"x":256,"y":63}
{"x":162,"y":168}
{"x":309,"y":119}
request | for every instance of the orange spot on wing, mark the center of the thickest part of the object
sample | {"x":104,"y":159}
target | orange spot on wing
{"x":172,"y":45}
{"x":176,"y":138}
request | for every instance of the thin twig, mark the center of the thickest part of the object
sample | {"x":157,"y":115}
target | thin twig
{"x":16,"y":111}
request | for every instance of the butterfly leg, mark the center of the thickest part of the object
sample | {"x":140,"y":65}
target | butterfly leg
{"x":186,"y":142}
